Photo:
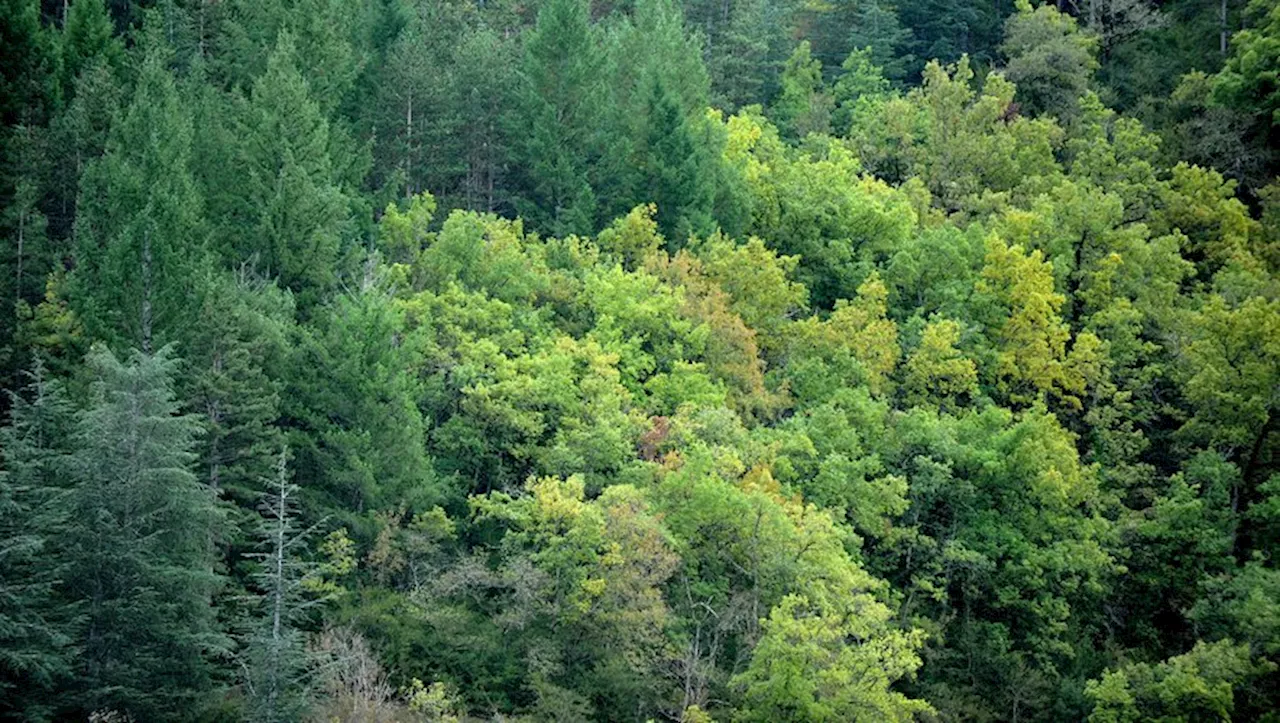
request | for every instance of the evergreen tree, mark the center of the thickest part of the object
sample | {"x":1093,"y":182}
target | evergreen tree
{"x":35,"y":626}
{"x":88,"y":39}
{"x":29,"y":255}
{"x":276,"y":660}
{"x":676,"y":170}
{"x":296,"y":210}
{"x":1049,"y":59}
{"x":875,"y":25}
{"x":351,"y":404}
{"x":142,"y":555}
{"x":740,"y":56}
{"x":241,"y":339}
{"x":484,"y":85}
{"x":559,"y":126}
{"x":27,"y":62}
{"x":140,"y":233}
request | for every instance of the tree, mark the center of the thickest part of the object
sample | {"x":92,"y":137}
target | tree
{"x":88,"y":38}
{"x":816,"y":664}
{"x":1048,"y":58}
{"x":803,"y":105}
{"x":1115,"y":21}
{"x":140,"y":232}
{"x":30,"y":254}
{"x":860,"y":84}
{"x":27,"y":62}
{"x":740,"y":59}
{"x":350,"y":399}
{"x":937,"y":371}
{"x":484,"y":85}
{"x":142,"y":546}
{"x":1247,"y":80}
{"x":877,"y":30}
{"x":1031,"y":336}
{"x":276,"y":660}
{"x":234,"y":358}
{"x":560,"y":96}
{"x":1199,"y":685}
{"x":675,"y":169}
{"x":295,"y":210}
{"x":36,"y":630}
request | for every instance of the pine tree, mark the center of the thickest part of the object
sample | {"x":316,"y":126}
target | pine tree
{"x":876,"y":27}
{"x":658,"y":90}
{"x":739,"y":61}
{"x":141,"y":543}
{"x":239,"y":337}
{"x":484,"y":86}
{"x":27,"y":61}
{"x":140,"y":233}
{"x":34,"y":627}
{"x":27,"y":255}
{"x":276,"y":664}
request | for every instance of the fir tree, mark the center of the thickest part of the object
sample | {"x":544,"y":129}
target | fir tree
{"x":140,"y":233}
{"x":87,"y":39}
{"x":141,"y":562}
{"x":297,"y":211}
{"x":276,"y":662}
{"x":35,"y":628}
{"x":676,"y":170}
{"x":561,"y":98}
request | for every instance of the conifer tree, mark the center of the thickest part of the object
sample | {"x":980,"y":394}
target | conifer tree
{"x":297,"y":212}
{"x":739,"y":61}
{"x":27,"y":61}
{"x":276,"y":663}
{"x":140,"y":233}
{"x":239,"y":341}
{"x":561,"y":94}
{"x":35,"y":628}
{"x":803,"y":105}
{"x":676,"y":172}
{"x":141,"y":546}
{"x":88,"y":38}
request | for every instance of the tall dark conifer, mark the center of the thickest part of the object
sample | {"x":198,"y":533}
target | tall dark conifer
{"x":560,"y":119}
{"x":140,"y":231}
{"x":36,"y":627}
{"x":142,"y":560}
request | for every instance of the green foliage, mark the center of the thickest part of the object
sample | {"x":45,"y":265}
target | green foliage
{"x":1196,"y":686}
{"x":1049,"y":59}
{"x":140,"y":232}
{"x":1247,"y":81}
{"x":804,"y":669}
{"x":294,"y":209}
{"x":560,"y":92}
{"x":143,"y":570}
{"x":37,"y":651}
{"x":930,"y":372}
{"x":802,"y":106}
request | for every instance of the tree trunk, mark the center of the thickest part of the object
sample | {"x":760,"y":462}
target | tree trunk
{"x":146,"y":292}
{"x":408,"y":151}
{"x":1222,"y":27}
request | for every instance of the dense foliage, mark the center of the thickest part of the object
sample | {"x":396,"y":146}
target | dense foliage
{"x":751,"y":360}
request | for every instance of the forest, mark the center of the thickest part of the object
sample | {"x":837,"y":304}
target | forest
{"x":640,"y":360}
